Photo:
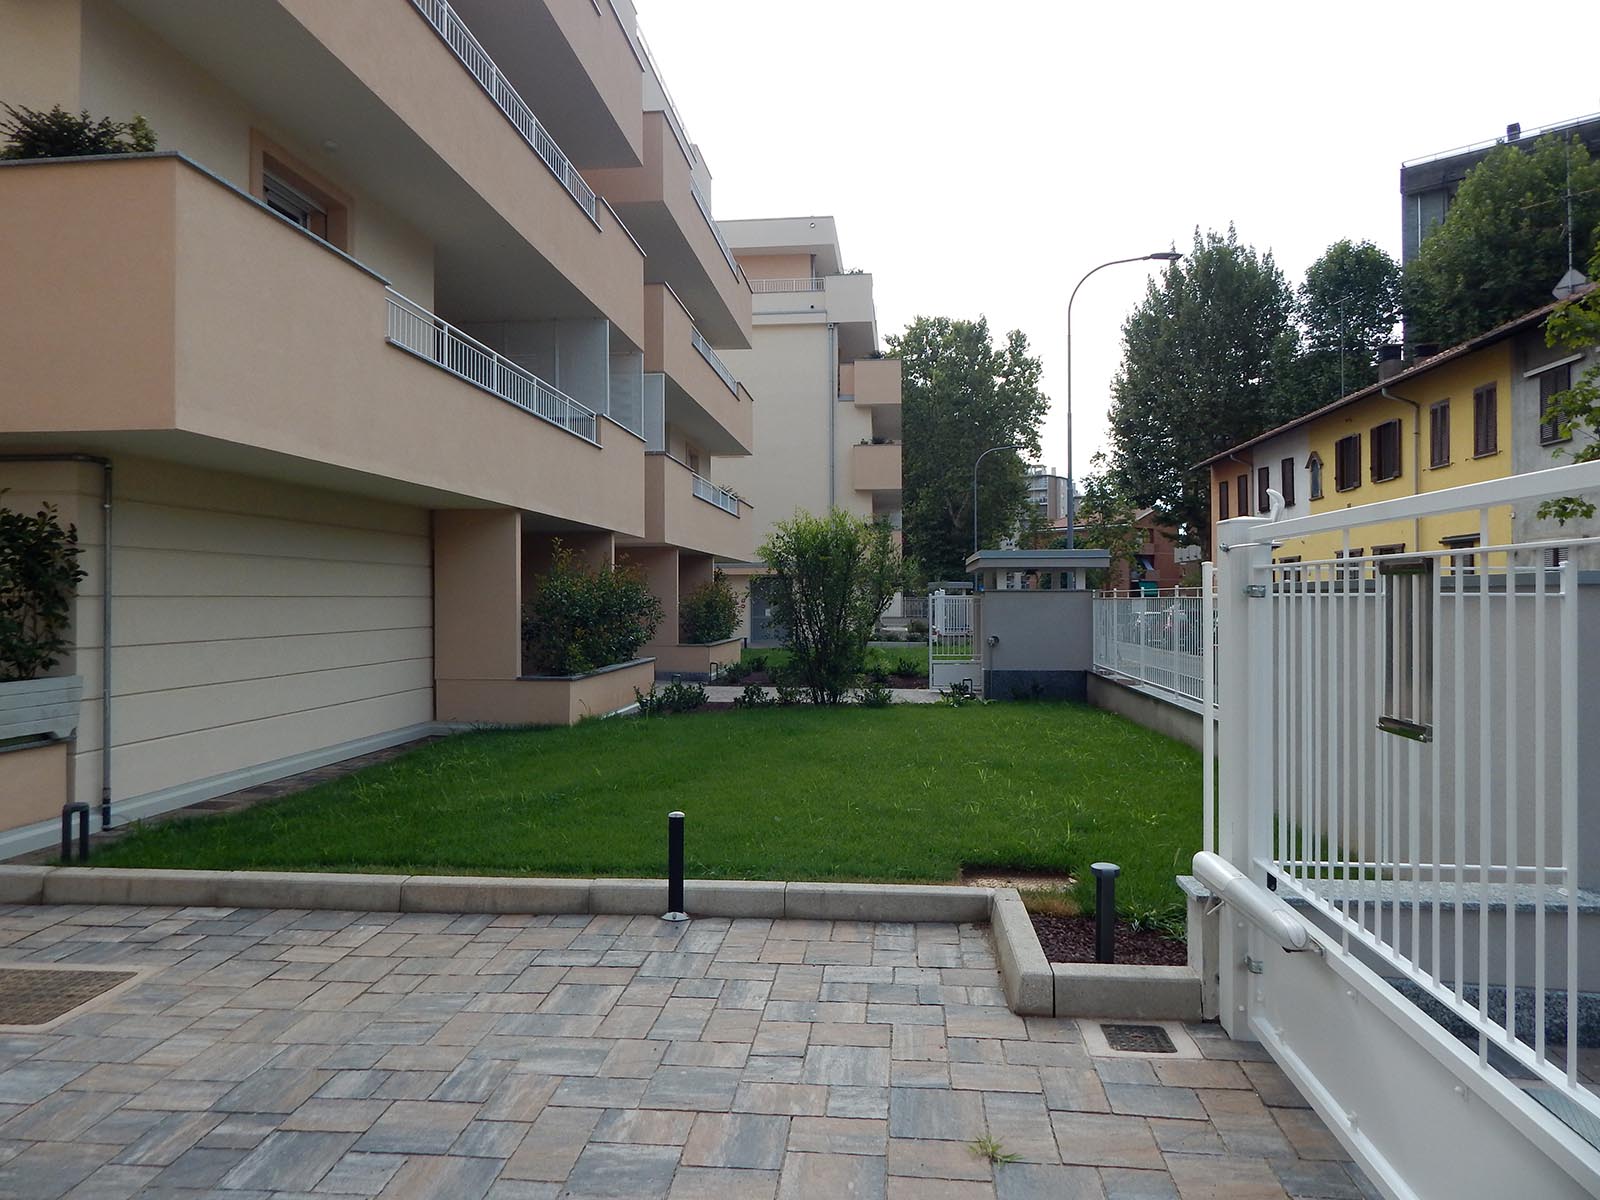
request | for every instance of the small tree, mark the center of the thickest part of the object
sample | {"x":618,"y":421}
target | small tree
{"x":580,"y":618}
{"x":831,"y":579}
{"x":39,"y":575}
{"x":710,"y":612}
{"x":30,"y":133}
{"x":1576,"y":326}
{"x":1107,"y":520}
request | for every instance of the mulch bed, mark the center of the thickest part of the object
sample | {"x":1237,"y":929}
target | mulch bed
{"x":1071,"y":940}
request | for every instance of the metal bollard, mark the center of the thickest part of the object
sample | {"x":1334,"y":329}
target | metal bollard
{"x":82,"y":810}
{"x":1105,"y":911}
{"x":675,"y":907}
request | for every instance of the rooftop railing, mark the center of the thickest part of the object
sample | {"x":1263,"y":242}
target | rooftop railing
{"x":712,"y":494}
{"x":762,"y":286}
{"x":416,"y":330}
{"x":475,"y":58}
{"x":715,"y":363}
{"x":1526,"y":135}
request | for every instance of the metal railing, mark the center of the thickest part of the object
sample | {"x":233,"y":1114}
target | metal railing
{"x":416,"y":330}
{"x":716,"y":231}
{"x":475,"y":58}
{"x":764,"y":286}
{"x":1404,"y":760}
{"x":1153,"y":640}
{"x":1529,"y":135}
{"x":715,"y":363}
{"x":712,"y":494}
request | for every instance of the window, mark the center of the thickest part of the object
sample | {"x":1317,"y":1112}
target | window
{"x":1556,"y":379}
{"x":1286,"y":481}
{"x":1347,"y":463}
{"x":1241,"y":490}
{"x":1222,"y":500}
{"x":1289,"y":559}
{"x":1386,"y":452}
{"x":1314,"y":466}
{"x":286,"y":200}
{"x":1462,"y":562}
{"x":1399,"y":549}
{"x":297,"y":193}
{"x":1485,"y":421}
{"x":1263,"y":485}
{"x":1556,"y":556}
{"x":1439,"y":434}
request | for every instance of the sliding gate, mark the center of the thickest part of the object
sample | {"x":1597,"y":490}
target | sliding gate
{"x":1406,"y":754}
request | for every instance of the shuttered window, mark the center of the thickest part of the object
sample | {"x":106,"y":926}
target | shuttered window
{"x":1439,"y":434}
{"x":1386,"y":452}
{"x":1347,"y":463}
{"x":1314,"y":467}
{"x":1551,"y":383}
{"x":1242,"y":491}
{"x":1485,"y":420}
{"x":1222,"y":500}
{"x":1263,"y":485}
{"x":1286,"y":480}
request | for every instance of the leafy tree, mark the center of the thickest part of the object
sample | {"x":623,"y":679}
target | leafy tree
{"x":39,"y":575}
{"x":29,"y":133}
{"x":1350,"y":300}
{"x":1108,"y":520}
{"x":710,"y":612}
{"x":1576,"y":325}
{"x":1503,"y":245}
{"x":1205,"y":361}
{"x":831,"y":578}
{"x":580,"y":618}
{"x":962,"y":395}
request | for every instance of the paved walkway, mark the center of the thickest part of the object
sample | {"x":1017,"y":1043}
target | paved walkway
{"x":324,"y":1054}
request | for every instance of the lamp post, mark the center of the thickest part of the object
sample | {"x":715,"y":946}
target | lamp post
{"x":1072,"y":487}
{"x":979,"y":459}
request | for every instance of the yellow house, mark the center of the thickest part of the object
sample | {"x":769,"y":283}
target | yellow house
{"x":1470,"y":413}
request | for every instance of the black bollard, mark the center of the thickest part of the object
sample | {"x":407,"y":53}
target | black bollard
{"x":675,"y":907}
{"x":82,"y":811}
{"x":1105,"y":911}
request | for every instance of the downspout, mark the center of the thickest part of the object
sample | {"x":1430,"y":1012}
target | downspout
{"x":105,"y":613}
{"x":1416,"y":460}
{"x":833,"y":414}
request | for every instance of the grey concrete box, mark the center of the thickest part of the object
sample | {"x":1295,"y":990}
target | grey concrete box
{"x":628,"y":897}
{"x":1126,"y":991}
{"x":1024,"y":971}
{"x":284,"y":889}
{"x":114,"y":885}
{"x":22,"y":885}
{"x":885,"y":902}
{"x":470,"y":894}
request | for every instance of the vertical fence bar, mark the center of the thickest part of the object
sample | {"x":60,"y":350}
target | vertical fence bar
{"x":1362,"y":762}
{"x":1569,"y":797}
{"x":1208,"y":723}
{"x":1512,"y":783}
{"x":1485,"y":806}
{"x":1436,"y":652}
{"x":1541,"y":799}
{"x":1458,"y":683}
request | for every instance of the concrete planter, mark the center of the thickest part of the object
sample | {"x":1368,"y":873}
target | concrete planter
{"x":40,"y":707}
{"x":1035,"y":986}
{"x":567,"y":699}
{"x":695,"y":662}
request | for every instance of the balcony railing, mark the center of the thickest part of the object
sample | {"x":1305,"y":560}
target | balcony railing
{"x":712,"y":494}
{"x":705,"y":211}
{"x":475,"y":58}
{"x":414,"y":329}
{"x":715,"y":363}
{"x":761,"y":286}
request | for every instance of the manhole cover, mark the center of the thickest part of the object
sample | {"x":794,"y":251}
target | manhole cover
{"x":37,"y":997}
{"x":1139,"y":1039}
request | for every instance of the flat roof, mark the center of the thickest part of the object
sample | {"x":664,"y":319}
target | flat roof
{"x":1037,"y":560}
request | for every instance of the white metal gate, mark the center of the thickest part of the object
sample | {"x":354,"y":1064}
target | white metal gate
{"x":1399,"y":756}
{"x":952,"y":640}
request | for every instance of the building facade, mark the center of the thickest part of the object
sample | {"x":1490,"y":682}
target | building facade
{"x":410,"y":291}
{"x":1047,"y":492}
{"x":1471,"y":413}
{"x":829,"y":400}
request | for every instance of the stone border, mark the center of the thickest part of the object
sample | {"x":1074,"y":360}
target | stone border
{"x":489,"y":894}
{"x":1037,"y":987}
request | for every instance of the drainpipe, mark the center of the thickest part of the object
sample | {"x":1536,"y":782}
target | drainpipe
{"x":1416,"y":460}
{"x":833,"y":413}
{"x":105,"y":613}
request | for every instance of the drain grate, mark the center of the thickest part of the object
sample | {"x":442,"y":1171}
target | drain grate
{"x":37,"y":997}
{"x":1139,"y":1039}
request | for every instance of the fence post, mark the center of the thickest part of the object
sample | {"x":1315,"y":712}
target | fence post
{"x":1244,"y":743}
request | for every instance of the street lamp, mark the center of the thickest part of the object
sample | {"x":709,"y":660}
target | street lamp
{"x":1072,"y":487}
{"x":980,"y":458}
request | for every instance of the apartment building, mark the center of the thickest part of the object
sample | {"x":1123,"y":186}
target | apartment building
{"x":1047,"y":492}
{"x":1476,"y":411}
{"x":829,"y":400}
{"x":410,"y":290}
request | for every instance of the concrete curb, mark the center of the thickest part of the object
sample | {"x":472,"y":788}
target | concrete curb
{"x":1034,"y":986}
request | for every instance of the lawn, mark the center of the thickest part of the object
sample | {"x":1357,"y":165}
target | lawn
{"x":907,"y":793}
{"x":889,"y":660}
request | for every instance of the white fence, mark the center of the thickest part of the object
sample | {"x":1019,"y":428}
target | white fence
{"x":1153,"y":640}
{"x":1401,"y":754}
{"x":712,"y":494}
{"x":765,"y":286}
{"x":952,"y":639}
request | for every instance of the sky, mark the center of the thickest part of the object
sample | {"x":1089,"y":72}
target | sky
{"x":980,"y":157}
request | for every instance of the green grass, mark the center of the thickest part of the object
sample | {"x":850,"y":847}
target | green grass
{"x":877,"y":656}
{"x":908,"y":793}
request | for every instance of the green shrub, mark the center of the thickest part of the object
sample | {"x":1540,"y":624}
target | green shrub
{"x":676,"y":697}
{"x":909,"y":664}
{"x":710,"y":612}
{"x":30,"y":133}
{"x":580,"y":619}
{"x":39,"y":575}
{"x":754,"y":696}
{"x":918,"y":627}
{"x":875,"y":695}
{"x":876,"y":675}
{"x":733,"y":672}
{"x":757,"y":662}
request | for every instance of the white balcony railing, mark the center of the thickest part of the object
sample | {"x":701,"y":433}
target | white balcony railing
{"x":416,"y":330}
{"x":763,"y":286}
{"x":1153,"y":640}
{"x":476,"y":59}
{"x":712,"y":494}
{"x":715,"y":363}
{"x":705,"y":211}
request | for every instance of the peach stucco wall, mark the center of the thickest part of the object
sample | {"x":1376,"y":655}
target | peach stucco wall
{"x":33,"y":784}
{"x":543,"y":701}
{"x":875,"y":468}
{"x":669,"y":348}
{"x":776,"y":266}
{"x":675,"y":516}
{"x":477,"y":599}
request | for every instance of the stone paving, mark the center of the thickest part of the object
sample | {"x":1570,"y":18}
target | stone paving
{"x":337,"y":1054}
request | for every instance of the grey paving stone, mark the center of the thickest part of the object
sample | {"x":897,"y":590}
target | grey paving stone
{"x":703,"y":1089}
{"x":289,"y":1162}
{"x":198,"y":1168}
{"x":428,"y":1177}
{"x":168,"y":1138}
{"x":848,"y":1066}
{"x":644,"y":1127}
{"x":839,"y":1135}
{"x":1032,"y":1181}
{"x":808,"y":1176}
{"x":1022,"y":1125}
{"x":417,"y":1127}
{"x":920,"y":1158}
{"x":782,"y":1099}
{"x":1201,"y":1176}
{"x":49,"y":1169}
{"x":361,"y":1174}
{"x":1142,"y":1100}
{"x":1304,"y":1180}
{"x":1122,"y":1183}
{"x":720,"y":1183}
{"x":947,"y":1116}
{"x":623,"y":1171}
{"x":552,"y":1146}
{"x":1103,"y":1140}
{"x":490,"y":1139}
{"x":858,"y":1102}
{"x":32,"y":1082}
{"x":737,"y":1140}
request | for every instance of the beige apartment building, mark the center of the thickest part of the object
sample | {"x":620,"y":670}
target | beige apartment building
{"x":830,"y":401}
{"x":410,"y":290}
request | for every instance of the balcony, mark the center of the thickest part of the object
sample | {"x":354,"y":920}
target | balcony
{"x":225,"y":335}
{"x":685,"y":510}
{"x":664,"y":210}
{"x":871,"y":382}
{"x":703,"y":397}
{"x":875,"y":467}
{"x":770,"y":287}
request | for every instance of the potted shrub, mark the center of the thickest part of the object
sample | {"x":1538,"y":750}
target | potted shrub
{"x":30,"y":133}
{"x":710,"y":612}
{"x":39,"y":576}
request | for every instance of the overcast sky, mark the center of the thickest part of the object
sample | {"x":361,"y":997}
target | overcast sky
{"x":980,"y":157}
